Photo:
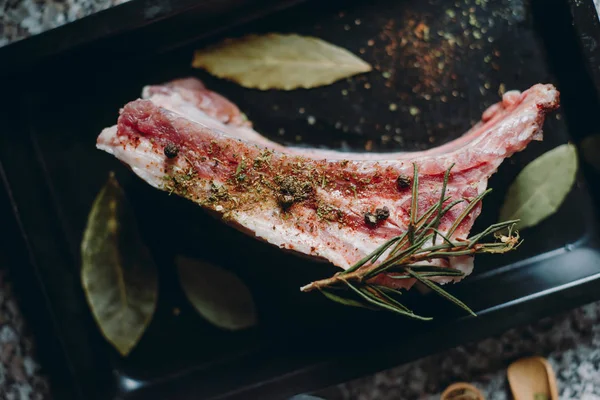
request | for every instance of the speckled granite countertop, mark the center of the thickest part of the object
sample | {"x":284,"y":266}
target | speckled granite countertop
{"x":22,"y":18}
{"x":571,"y":341}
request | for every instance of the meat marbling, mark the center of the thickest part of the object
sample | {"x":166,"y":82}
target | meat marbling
{"x":183,"y":138}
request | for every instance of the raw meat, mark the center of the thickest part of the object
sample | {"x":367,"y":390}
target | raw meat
{"x":185,"y":139}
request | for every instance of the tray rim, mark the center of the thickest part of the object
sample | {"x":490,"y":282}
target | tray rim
{"x":112,"y":23}
{"x":589,"y":34}
{"x":593,"y":282}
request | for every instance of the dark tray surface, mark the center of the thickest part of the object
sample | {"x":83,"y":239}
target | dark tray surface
{"x":53,"y":171}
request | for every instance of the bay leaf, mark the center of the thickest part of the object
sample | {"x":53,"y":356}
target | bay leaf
{"x":217,"y":294}
{"x":118,"y":274}
{"x":590,"y":150}
{"x":541,"y":187}
{"x":278,"y":61}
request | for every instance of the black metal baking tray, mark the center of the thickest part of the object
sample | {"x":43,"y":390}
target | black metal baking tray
{"x":61,"y":88}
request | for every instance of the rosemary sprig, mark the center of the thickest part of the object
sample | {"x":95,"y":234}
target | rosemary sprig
{"x":406,"y":257}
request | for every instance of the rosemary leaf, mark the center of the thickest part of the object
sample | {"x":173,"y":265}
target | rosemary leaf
{"x":425,"y":217}
{"x":375,"y":301}
{"x":375,"y":255}
{"x":425,"y":275}
{"x":446,"y":239}
{"x":440,"y":291}
{"x":401,"y":243}
{"x":389,"y":298}
{"x":400,"y":276}
{"x":441,"y":203}
{"x":343,"y":300}
{"x":453,"y":253}
{"x":435,"y":269}
{"x":451,"y":205}
{"x":443,"y":246}
{"x":425,"y":271}
{"x":433,"y":224}
{"x":414,"y":205}
{"x":492,"y":229}
{"x":397,"y":258}
{"x":388,"y":290}
{"x":411,"y":233}
{"x":428,"y":229}
{"x":467,"y":211}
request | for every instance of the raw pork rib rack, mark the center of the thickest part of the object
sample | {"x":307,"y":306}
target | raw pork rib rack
{"x":183,"y":138}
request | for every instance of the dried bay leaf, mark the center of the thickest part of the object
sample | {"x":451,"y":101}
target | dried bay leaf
{"x":277,"y":61}
{"x":217,"y":294}
{"x":590,"y":150}
{"x":541,"y":187}
{"x":118,"y":274}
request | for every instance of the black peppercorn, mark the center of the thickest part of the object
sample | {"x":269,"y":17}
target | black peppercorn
{"x":382,"y":213}
{"x":171,"y":150}
{"x":370,"y":219}
{"x":403,"y":182}
{"x":285,"y":201}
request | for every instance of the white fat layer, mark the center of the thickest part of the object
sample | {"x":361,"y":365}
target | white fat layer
{"x":142,"y":160}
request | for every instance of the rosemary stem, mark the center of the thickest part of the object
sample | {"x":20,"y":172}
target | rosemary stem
{"x":355,"y":276}
{"x":360,"y":274}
